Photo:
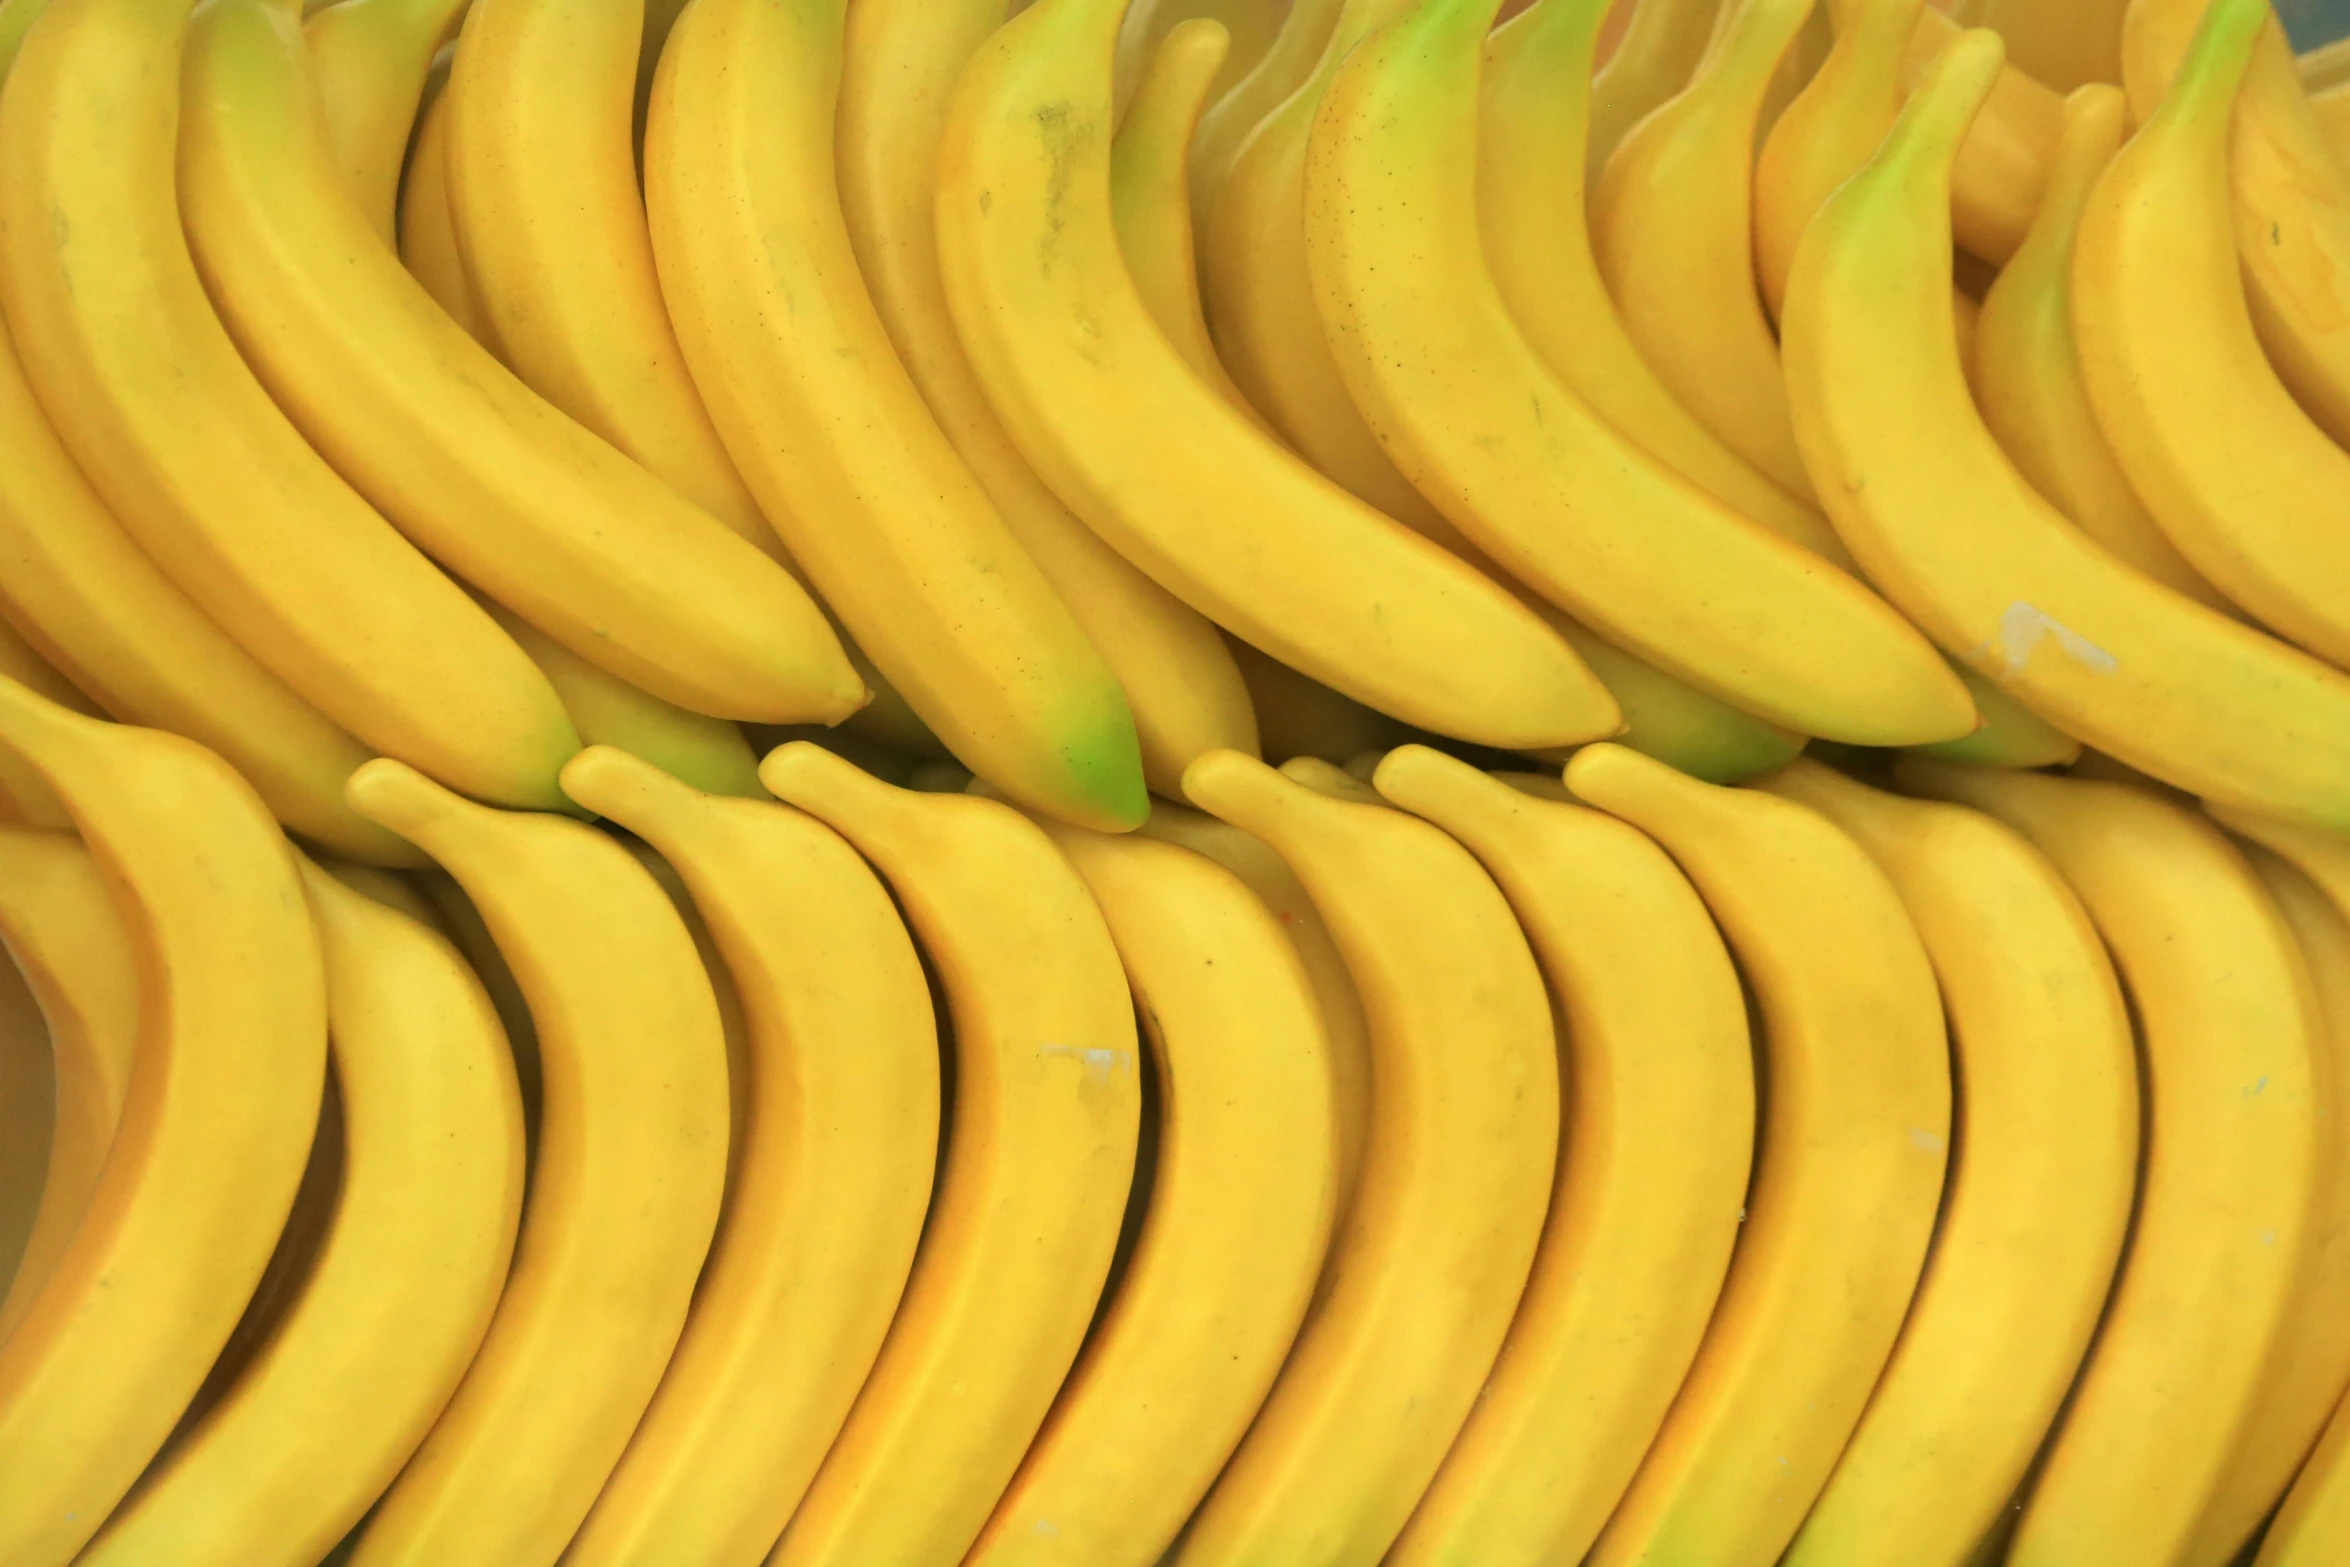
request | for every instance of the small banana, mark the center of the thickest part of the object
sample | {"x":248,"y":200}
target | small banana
{"x":1850,"y":1163}
{"x":1653,"y":61}
{"x":2039,"y":1200}
{"x":1039,"y":1159}
{"x":2003,"y":160}
{"x":626,"y":1173}
{"x":2018,"y":592}
{"x":371,"y":58}
{"x":2223,"y":1226}
{"x":428,"y":230}
{"x":1232,"y":118}
{"x":1251,"y":25}
{"x":1655,"y":1152}
{"x":223,"y":1093}
{"x":1456,"y":1175}
{"x":423,"y":1220}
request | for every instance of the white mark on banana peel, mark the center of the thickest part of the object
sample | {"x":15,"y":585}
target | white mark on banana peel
{"x":1099,"y":1064}
{"x":2025,"y":626}
{"x":1925,"y":1141}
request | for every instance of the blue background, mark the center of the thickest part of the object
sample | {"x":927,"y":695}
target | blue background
{"x":2311,"y":22}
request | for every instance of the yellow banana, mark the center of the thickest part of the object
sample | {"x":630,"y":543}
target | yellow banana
{"x":1942,"y":521}
{"x":1251,"y":25}
{"x":2065,"y":45}
{"x":69,"y":941}
{"x":1456,"y":1175}
{"x":627,"y":1168}
{"x":428,"y":231}
{"x":2290,"y":201}
{"x":223,"y":1094}
{"x":2217,"y":1246}
{"x":1525,"y":467}
{"x":2002,"y":164}
{"x":1652,"y":62}
{"x":28,"y":1083}
{"x":2325,"y":67}
{"x":833,"y":1172}
{"x":1237,"y":1222}
{"x":2027,"y":371}
{"x":371,"y":58}
{"x":1161,"y":466}
{"x":391,"y":889}
{"x":1655,"y":1152}
{"x":530,"y":507}
{"x":1234,"y":116}
{"x":2241,"y":480}
{"x":2039,"y":1200}
{"x":2331,"y":110}
{"x":2312,"y":1529}
{"x":1039,"y":1158}
{"x":149,"y":394}
{"x":900,"y":61}
{"x":1850,"y":1163}
{"x":389,"y":1315}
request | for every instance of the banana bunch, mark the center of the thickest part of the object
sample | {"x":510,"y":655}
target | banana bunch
{"x":931,"y":783}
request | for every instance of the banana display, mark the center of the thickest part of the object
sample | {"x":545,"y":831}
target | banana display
{"x":1174,"y":783}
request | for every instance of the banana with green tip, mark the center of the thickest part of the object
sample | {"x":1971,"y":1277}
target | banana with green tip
{"x":2002,"y":164}
{"x":371,"y":58}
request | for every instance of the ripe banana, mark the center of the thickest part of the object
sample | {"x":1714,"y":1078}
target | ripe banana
{"x":1232,"y":118}
{"x":1851,"y":1158}
{"x":1238,"y":1220}
{"x":63,"y":932}
{"x":2242,"y":481}
{"x":2331,"y":110}
{"x":1525,"y":467}
{"x":1039,"y":1158}
{"x":27,"y":1117}
{"x":2027,"y":371}
{"x":1251,"y":25}
{"x":2065,"y":45}
{"x":1157,"y":463}
{"x":900,"y":61}
{"x":223,"y":1093}
{"x":1655,"y":1152}
{"x":1652,"y":63}
{"x":1882,"y":405}
{"x":150,"y":397}
{"x":2290,"y":199}
{"x":2312,"y":1529}
{"x":424,"y":1214}
{"x":1456,"y":1175}
{"x":627,"y":1169}
{"x":1672,"y":223}
{"x":2227,"y":1026}
{"x":833,"y":1171}
{"x":371,"y":58}
{"x":2002,"y":164}
{"x":428,"y":230}
{"x":2039,"y":1200}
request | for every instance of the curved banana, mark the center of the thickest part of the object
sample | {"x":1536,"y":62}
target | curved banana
{"x":371,"y":58}
{"x":428,"y":230}
{"x":627,"y":1168}
{"x":2018,"y":592}
{"x":425,"y":1209}
{"x":1526,"y":468}
{"x":1653,"y":61}
{"x":150,"y":396}
{"x":64,"y":933}
{"x":1655,"y":1152}
{"x":1239,"y":1215}
{"x":1162,"y":467}
{"x":2289,"y":197}
{"x":1851,"y":1158}
{"x":1232,"y":118}
{"x":833,"y":1172}
{"x":900,"y":61}
{"x":2039,"y":1200}
{"x":2027,"y":371}
{"x":1456,"y":1175}
{"x":1672,"y":224}
{"x":2217,"y":1247}
{"x":1251,"y":25}
{"x":2241,"y":480}
{"x":2330,"y":108}
{"x":391,"y":889}
{"x":2066,"y":46}
{"x":2003,"y":160}
{"x":223,"y":1093}
{"x":2312,"y":1529}
{"x":27,"y":1118}
{"x":1039,"y":1158}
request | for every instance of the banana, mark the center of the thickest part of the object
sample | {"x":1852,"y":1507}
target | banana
{"x":2241,"y":480}
{"x":1162,"y":467}
{"x":1850,"y":1164}
{"x":2290,"y":201}
{"x":2312,"y":1529}
{"x":2223,"y":1002}
{"x":1456,"y":391}
{"x":1655,"y":1153}
{"x":834,"y":1163}
{"x":423,"y":1224}
{"x":1456,"y":1175}
{"x":2027,"y":372}
{"x":2002,"y":164}
{"x":2325,"y":67}
{"x":900,"y":61}
{"x":527,"y":505}
{"x":391,"y":889}
{"x":2066,"y":46}
{"x":1237,"y":1224}
{"x":28,"y":1084}
{"x":428,"y":231}
{"x":2039,"y":1200}
{"x":1653,"y":60}
{"x":1234,"y":116}
{"x":627,"y":1169}
{"x":2331,"y":110}
{"x":2017,"y":592}
{"x":371,"y":58}
{"x":223,"y":1093}
{"x":148,"y":393}
{"x":63,"y":931}
{"x":1251,"y":25}
{"x":1039,"y":1158}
